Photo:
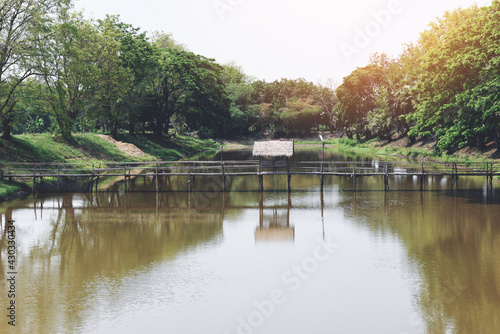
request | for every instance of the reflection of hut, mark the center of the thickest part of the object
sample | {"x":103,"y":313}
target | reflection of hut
{"x":268,"y":151}
{"x":275,"y":234}
{"x":274,"y":223}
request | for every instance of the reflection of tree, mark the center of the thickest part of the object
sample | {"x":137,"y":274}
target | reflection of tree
{"x":3,"y":241}
{"x":90,"y":244}
{"x":455,"y":245}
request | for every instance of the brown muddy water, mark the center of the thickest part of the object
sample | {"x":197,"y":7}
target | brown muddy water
{"x":399,"y":262}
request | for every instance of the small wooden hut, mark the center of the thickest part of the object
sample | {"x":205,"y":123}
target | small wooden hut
{"x":270,"y":150}
{"x":273,"y":154}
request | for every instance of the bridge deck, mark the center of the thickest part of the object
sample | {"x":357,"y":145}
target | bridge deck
{"x":223,"y":169}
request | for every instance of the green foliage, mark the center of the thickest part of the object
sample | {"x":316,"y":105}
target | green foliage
{"x":373,"y":100}
{"x":107,"y":76}
{"x":293,"y":106}
{"x":22,"y":25}
{"x":49,"y":148}
{"x":8,"y":188}
{"x":445,"y":87}
{"x":458,"y":87}
{"x":348,"y":142}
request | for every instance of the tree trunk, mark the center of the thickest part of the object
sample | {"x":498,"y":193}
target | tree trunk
{"x":114,"y":129}
{"x":131,"y":128}
{"x":157,"y":131}
{"x":6,"y":130}
{"x":7,"y":119}
{"x":65,"y":125}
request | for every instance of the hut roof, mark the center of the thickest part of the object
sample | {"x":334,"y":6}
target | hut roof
{"x":273,"y":148}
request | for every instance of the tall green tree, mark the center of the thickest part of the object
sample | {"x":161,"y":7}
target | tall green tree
{"x":457,"y":86}
{"x":358,"y":96}
{"x":140,"y":56}
{"x":324,"y":96}
{"x":190,"y":86}
{"x":70,"y":68}
{"x":22,"y":25}
{"x":209,"y":102}
{"x":113,"y":79}
{"x":244,"y":109}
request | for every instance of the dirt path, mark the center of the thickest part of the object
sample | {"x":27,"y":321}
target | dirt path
{"x":127,"y":148}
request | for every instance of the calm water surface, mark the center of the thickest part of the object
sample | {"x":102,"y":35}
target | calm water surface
{"x":241,"y":262}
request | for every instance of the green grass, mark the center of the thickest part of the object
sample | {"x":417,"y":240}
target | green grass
{"x":169,"y":149}
{"x":90,"y":148}
{"x":370,"y":147}
{"x":10,"y":188}
{"x":48,"y":148}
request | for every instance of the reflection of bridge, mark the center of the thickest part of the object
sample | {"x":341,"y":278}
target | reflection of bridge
{"x":90,"y":173}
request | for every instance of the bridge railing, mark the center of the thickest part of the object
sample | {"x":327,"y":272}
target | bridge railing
{"x":22,"y":169}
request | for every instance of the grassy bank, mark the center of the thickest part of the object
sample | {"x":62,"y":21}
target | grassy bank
{"x":90,"y":148}
{"x":403,"y":148}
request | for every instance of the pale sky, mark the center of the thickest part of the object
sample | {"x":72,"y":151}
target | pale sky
{"x":272,"y":39}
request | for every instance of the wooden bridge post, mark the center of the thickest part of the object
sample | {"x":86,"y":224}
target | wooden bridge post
{"x":223,"y":177}
{"x":156,"y":179}
{"x":90,"y":185}
{"x":261,"y":178}
{"x":97,"y":178}
{"x":289,"y":176}
{"x":322,"y":175}
{"x":386,"y":178}
{"x":193,"y":178}
{"x":58,"y":178}
{"x":489,"y":175}
{"x":354,"y":176}
{"x":422,"y":178}
{"x":34,"y":181}
{"x":454,"y":177}
{"x":189,"y":179}
{"x":124,"y":176}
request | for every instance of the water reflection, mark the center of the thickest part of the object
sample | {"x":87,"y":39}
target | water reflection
{"x":115,"y":262}
{"x":90,"y":241}
{"x":454,"y":240}
{"x":274,"y":222}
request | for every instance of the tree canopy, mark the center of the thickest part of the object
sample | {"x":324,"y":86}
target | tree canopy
{"x":62,"y":72}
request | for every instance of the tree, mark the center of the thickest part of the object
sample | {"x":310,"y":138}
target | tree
{"x":140,"y":56}
{"x":324,"y":96}
{"x":22,"y":24}
{"x":358,"y":97}
{"x":456,"y":91}
{"x":243,"y":109}
{"x":70,"y":68}
{"x":186,"y":85}
{"x":113,"y":80}
{"x":208,"y":102}
{"x":300,"y":115}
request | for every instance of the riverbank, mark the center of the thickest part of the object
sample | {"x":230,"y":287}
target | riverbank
{"x":92,"y":148}
{"x":102,"y":148}
{"x":405,"y":149}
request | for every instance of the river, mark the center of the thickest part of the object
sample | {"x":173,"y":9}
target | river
{"x":370,"y":261}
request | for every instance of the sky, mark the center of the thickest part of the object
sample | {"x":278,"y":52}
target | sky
{"x":317,"y":40}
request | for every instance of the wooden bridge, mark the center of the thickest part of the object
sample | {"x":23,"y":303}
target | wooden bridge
{"x":90,"y":173}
